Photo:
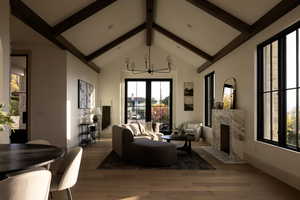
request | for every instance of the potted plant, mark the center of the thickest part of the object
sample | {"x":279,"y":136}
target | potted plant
{"x":6,"y":124}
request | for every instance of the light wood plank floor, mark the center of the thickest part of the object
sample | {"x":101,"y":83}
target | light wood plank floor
{"x":227,"y":182}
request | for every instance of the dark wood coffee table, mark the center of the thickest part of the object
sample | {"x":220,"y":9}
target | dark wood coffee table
{"x":186,"y":138}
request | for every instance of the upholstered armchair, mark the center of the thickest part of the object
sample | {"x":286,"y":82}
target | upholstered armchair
{"x":192,"y":128}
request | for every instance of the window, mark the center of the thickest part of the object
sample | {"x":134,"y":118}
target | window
{"x":149,"y":100}
{"x":209,"y":97}
{"x":279,"y":89}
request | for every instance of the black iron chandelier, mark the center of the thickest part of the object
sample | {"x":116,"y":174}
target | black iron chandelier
{"x":149,"y":67}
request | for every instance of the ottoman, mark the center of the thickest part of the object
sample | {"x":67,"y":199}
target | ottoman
{"x":156,"y":153}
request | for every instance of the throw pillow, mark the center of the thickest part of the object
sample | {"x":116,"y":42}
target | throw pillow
{"x":192,"y":125}
{"x":142,"y":128}
{"x":135,"y":129}
{"x":156,"y":127}
{"x":148,"y":127}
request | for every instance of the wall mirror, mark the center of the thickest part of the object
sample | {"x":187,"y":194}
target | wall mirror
{"x":229,"y":93}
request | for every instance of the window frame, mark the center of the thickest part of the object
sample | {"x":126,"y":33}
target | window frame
{"x":148,"y":97}
{"x":282,"y":90}
{"x":208,"y":112}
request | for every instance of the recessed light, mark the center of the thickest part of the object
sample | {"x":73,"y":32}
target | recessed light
{"x":189,"y":25}
{"x":110,"y":26}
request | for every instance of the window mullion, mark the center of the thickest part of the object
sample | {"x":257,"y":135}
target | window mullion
{"x":282,"y":91}
{"x":271,"y":94}
{"x":260,"y":94}
{"x":297,"y":90}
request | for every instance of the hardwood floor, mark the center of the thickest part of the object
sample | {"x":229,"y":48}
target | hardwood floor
{"x":227,"y":182}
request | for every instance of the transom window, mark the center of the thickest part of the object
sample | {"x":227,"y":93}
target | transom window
{"x":279,"y":89}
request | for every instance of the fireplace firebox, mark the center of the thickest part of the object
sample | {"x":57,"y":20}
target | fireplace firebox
{"x":225,"y":138}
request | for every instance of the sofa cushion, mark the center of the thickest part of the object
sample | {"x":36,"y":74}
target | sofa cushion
{"x":135,"y":129}
{"x":142,"y":128}
{"x":143,"y":137}
{"x":148,"y":126}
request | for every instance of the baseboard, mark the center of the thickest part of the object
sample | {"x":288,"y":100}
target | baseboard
{"x":280,"y":174}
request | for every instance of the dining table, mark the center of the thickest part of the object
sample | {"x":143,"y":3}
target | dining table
{"x":19,"y":157}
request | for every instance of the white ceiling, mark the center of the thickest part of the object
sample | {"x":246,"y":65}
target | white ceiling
{"x":178,"y":16}
{"x":247,"y":10}
{"x":207,"y":33}
{"x":55,"y":11}
{"x":94,"y":32}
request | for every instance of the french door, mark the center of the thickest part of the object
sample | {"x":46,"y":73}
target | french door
{"x":149,"y":100}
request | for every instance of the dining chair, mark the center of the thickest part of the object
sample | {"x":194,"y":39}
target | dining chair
{"x":30,"y":185}
{"x":44,"y":142}
{"x":65,"y":171}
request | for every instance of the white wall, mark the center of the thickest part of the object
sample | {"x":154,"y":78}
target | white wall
{"x":241,"y":64}
{"x":4,"y":58}
{"x":48,"y":92}
{"x":76,"y":70}
{"x":111,"y":84}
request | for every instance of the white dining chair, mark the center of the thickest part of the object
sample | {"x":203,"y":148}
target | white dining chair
{"x":44,"y":142}
{"x":30,"y":185}
{"x":65,"y":171}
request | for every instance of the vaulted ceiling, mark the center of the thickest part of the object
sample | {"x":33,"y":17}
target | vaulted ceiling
{"x":201,"y":31}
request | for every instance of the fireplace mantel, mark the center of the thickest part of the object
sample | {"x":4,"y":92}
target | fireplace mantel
{"x":235,"y":119}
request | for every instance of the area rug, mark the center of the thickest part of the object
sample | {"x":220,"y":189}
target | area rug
{"x":184,"y":162}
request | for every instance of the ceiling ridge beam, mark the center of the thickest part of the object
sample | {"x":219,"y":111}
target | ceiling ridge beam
{"x":116,"y":42}
{"x":270,"y":17}
{"x":149,"y":21}
{"x":26,"y":15}
{"x":81,"y":15}
{"x":182,"y":42}
{"x":221,"y":14}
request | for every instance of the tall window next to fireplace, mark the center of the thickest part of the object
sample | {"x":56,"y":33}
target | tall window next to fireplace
{"x":278,"y":92}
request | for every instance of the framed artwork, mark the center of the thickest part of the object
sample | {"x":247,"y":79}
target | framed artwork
{"x":85,"y":94}
{"x":188,"y":96}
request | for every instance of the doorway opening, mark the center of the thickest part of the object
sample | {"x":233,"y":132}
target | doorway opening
{"x":19,"y":104}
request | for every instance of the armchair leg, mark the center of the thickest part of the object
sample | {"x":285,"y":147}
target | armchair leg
{"x":69,"y":193}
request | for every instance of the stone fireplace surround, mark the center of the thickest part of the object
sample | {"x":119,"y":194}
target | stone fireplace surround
{"x":235,"y":119}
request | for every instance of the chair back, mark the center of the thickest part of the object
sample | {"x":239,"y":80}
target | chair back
{"x":44,"y":142}
{"x":71,"y":166}
{"x":32,"y":185}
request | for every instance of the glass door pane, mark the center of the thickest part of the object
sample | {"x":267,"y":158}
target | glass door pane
{"x":160,"y":104}
{"x":18,"y":92}
{"x":136,"y":101}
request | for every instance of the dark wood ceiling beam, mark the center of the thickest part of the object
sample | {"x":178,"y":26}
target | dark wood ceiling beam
{"x":221,"y":14}
{"x":273,"y":15}
{"x":116,"y":42}
{"x":81,"y":15}
{"x":149,"y":21}
{"x":26,"y":15}
{"x":182,"y":42}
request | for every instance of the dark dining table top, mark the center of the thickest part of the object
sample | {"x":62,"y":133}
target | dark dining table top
{"x":17,"y":157}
